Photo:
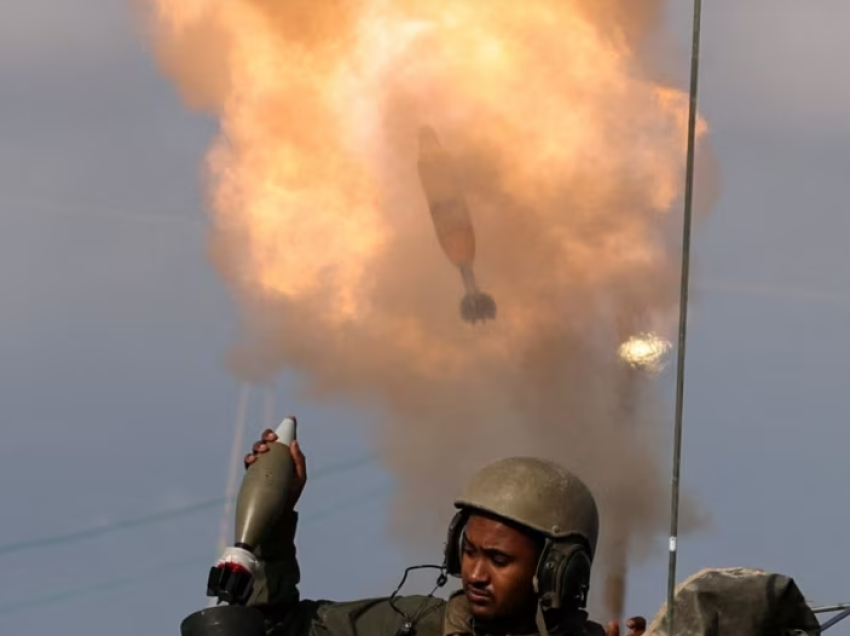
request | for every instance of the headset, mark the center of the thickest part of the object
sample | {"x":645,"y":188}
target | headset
{"x":562,"y":579}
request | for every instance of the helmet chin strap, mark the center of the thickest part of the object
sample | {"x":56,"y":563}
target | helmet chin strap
{"x":541,"y":621}
{"x":569,"y":625}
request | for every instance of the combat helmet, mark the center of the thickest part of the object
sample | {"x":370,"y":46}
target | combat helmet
{"x":537,"y":494}
{"x":545,"y":498}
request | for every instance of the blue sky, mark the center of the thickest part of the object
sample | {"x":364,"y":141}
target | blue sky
{"x":114,"y":327}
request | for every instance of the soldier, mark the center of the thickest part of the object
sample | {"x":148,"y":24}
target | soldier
{"x":522,"y":542}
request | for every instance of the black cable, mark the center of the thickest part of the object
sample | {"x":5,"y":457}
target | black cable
{"x":835,"y":619}
{"x":408,"y":624}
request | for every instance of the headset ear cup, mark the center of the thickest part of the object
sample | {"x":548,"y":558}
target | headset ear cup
{"x":452,"y":550}
{"x":574,"y":578}
{"x":563,"y":576}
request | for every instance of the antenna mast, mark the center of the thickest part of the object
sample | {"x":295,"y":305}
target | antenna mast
{"x":683,"y":316}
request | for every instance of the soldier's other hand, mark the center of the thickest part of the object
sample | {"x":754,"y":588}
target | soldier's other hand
{"x":636,"y":626}
{"x":300,"y":461}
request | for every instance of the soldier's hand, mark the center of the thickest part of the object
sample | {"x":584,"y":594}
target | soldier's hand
{"x":636,"y":626}
{"x":262,"y":446}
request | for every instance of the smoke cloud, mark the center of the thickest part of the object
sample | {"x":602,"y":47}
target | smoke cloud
{"x":571,"y":155}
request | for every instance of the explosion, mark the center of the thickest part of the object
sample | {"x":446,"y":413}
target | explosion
{"x":572,"y":158}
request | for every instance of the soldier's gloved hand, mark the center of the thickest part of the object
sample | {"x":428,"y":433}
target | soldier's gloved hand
{"x":262,"y":446}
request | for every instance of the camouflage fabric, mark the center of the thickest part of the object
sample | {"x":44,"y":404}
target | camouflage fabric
{"x":739,"y":602}
{"x":276,"y":596}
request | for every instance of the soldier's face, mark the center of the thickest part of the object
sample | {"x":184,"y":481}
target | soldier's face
{"x":498,"y":564}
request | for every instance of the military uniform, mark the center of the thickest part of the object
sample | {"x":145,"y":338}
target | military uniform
{"x":520,"y":489}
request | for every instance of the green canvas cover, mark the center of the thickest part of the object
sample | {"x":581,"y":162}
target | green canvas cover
{"x":737,"y":602}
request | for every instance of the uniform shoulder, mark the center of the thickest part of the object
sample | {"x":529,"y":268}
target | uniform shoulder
{"x":456,"y":619}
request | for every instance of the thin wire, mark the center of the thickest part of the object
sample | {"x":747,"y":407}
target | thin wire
{"x":198,"y":559}
{"x":158,"y":517}
{"x":823,"y":609}
{"x":88,"y":533}
{"x":683,"y":317}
